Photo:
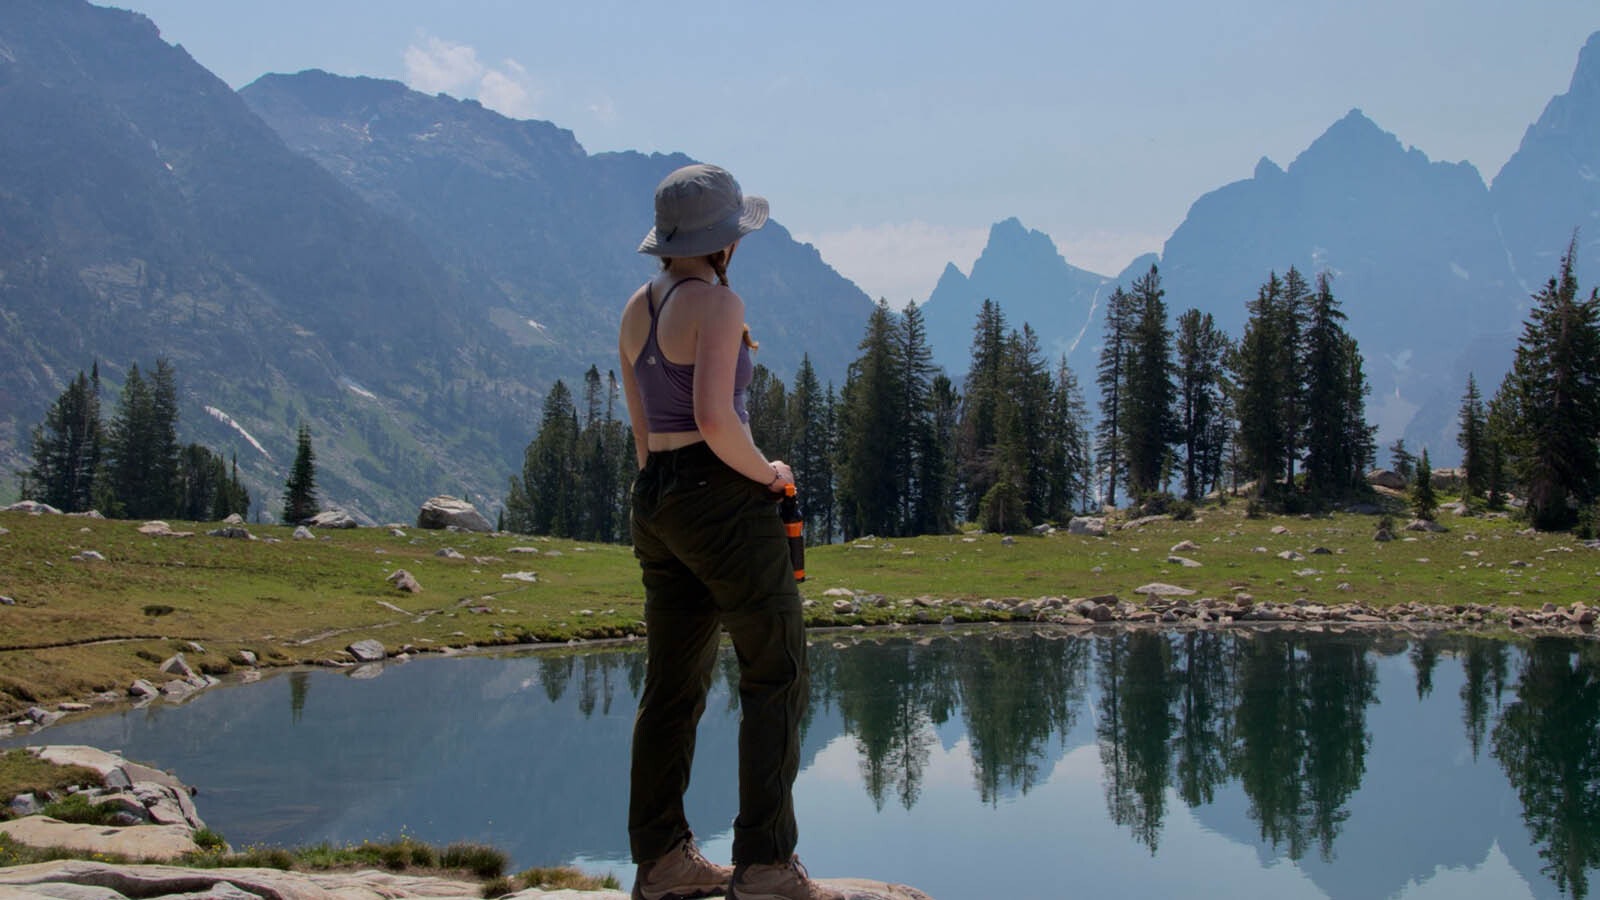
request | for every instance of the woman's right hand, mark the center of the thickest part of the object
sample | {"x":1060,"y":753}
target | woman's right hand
{"x":785,"y":476}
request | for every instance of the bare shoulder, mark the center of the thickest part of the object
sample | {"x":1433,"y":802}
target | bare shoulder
{"x":718,"y":301}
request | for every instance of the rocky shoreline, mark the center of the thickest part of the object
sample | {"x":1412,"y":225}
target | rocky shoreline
{"x":1161,"y":606}
{"x":156,"y":822}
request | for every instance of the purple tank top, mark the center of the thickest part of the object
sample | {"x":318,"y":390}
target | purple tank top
{"x":666,"y":388}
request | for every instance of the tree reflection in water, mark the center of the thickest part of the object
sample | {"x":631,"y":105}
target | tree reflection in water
{"x":1281,"y":713}
{"x":1548,"y":741}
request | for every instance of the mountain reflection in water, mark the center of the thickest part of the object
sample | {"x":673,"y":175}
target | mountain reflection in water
{"x":1226,"y":763}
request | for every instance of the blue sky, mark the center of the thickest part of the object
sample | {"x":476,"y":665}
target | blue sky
{"x":893,"y":134}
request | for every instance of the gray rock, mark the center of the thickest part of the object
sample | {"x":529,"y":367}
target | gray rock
{"x":7,"y":601}
{"x":142,"y":688}
{"x":1184,"y":561}
{"x":1008,"y":540}
{"x":1157,"y":589}
{"x":33,"y":507}
{"x":248,"y":656}
{"x":23,"y":805}
{"x":445,"y":512}
{"x":1427,"y":525}
{"x":1291,"y":555}
{"x":449,"y":553}
{"x":302,"y":533}
{"x":89,"y":556}
{"x":366,"y":651}
{"x":177,"y":665}
{"x":43,"y":717}
{"x":332,"y":518}
{"x":405,"y":581}
{"x":232,"y":531}
{"x":1386,"y":478}
{"x":1093,"y":526}
{"x":1184,"y":547}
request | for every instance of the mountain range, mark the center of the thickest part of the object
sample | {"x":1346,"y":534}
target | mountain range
{"x":1433,"y":267}
{"x":409,"y":274}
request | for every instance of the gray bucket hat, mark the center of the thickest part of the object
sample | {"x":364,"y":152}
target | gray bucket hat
{"x":700,"y":210}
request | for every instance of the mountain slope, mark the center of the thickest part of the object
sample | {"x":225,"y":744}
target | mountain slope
{"x":1022,"y":271}
{"x":519,"y":206}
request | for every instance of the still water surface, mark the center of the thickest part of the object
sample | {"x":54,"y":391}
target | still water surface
{"x":1132,"y":764}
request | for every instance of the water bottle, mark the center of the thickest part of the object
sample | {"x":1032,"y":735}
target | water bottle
{"x":789,"y":512}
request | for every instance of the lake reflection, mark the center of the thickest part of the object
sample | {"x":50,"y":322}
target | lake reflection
{"x":1000,"y":763}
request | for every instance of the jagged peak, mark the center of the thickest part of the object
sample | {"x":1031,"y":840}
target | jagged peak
{"x":1266,"y":168}
{"x":1586,"y":77}
{"x":1353,"y":140}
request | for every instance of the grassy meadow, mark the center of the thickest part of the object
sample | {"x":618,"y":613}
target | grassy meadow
{"x":78,"y":627}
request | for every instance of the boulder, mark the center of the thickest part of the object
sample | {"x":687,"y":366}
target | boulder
{"x":302,"y":533}
{"x":1093,"y":526}
{"x":445,"y":512}
{"x":233,"y":519}
{"x":231,"y":531}
{"x":331,"y":518}
{"x":1427,"y":525}
{"x":1386,"y":478}
{"x":1184,"y":547}
{"x":404,"y":581}
{"x":366,"y":651}
{"x":1157,"y":589}
{"x":33,"y":507}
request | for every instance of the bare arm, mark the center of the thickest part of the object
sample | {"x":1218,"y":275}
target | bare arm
{"x":630,"y":391}
{"x":716,"y":357}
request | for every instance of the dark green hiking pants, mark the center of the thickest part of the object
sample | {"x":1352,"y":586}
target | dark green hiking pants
{"x":715,"y":556}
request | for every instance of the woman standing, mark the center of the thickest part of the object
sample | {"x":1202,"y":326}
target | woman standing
{"x":714,"y":556}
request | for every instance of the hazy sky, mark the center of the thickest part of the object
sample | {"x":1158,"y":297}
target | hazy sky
{"x":893,"y":134}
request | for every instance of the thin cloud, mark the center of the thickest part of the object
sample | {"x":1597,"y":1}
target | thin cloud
{"x":434,"y":65}
{"x":438,"y":66}
{"x":509,"y":91}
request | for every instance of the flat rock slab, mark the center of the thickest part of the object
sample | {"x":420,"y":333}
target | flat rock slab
{"x":81,"y":880}
{"x":137,"y":841}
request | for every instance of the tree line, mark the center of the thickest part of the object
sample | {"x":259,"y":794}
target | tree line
{"x":133,"y":466}
{"x":1539,"y":435}
{"x":1185,"y":412}
{"x":902,"y":449}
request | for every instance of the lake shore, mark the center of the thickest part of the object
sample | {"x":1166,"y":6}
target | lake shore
{"x":101,"y":608}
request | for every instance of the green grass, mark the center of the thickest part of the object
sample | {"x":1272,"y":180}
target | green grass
{"x":23,"y":773}
{"x":84,"y":627}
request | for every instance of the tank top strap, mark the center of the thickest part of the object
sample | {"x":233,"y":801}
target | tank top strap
{"x":656,"y":310}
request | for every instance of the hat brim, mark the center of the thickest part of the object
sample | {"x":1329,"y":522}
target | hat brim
{"x":700,"y":242}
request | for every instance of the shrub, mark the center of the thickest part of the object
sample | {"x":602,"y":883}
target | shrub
{"x":206,"y":839}
{"x":479,"y":859}
{"x":78,"y":809}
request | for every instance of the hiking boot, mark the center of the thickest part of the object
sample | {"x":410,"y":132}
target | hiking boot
{"x":778,"y":881}
{"x":680,"y":874}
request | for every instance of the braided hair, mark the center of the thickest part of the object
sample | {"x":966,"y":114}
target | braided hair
{"x":718,"y":262}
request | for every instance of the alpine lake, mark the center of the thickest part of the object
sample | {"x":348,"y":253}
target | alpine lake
{"x":973,"y":763}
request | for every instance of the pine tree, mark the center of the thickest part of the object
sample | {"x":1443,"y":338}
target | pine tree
{"x":1335,"y":400}
{"x":1553,"y":401}
{"x":67,"y":448}
{"x":132,"y":450}
{"x":811,"y":458}
{"x":935,"y":511}
{"x":1401,"y":460}
{"x":767,"y":403}
{"x":1294,"y":323}
{"x":1070,"y":468}
{"x":1148,"y":422}
{"x":1471,"y":427}
{"x":984,"y":391}
{"x":300,"y":491}
{"x":914,"y":434}
{"x":547,"y":498}
{"x":1202,"y":407}
{"x":1111,"y":378}
{"x":1261,"y":373}
{"x":1423,"y":501}
{"x":869,"y":482}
